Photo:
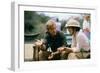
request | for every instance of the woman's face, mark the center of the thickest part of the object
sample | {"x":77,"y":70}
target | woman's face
{"x":71,"y":30}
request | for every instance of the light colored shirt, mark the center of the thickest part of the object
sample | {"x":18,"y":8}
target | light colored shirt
{"x":86,"y":28}
{"x":86,"y":25}
{"x":80,"y":41}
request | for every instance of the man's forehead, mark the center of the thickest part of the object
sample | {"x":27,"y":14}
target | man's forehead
{"x":52,"y":26}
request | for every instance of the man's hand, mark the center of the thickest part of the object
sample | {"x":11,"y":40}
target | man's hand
{"x":39,"y":44}
{"x":51,"y":56}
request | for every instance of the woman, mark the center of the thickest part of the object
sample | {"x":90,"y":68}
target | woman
{"x":80,"y":41}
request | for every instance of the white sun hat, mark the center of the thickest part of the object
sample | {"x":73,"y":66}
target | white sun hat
{"x":72,"y":23}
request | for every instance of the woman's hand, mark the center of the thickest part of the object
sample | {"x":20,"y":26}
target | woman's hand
{"x":68,"y":50}
{"x":60,"y":49}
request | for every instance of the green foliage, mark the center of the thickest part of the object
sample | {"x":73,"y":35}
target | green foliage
{"x":33,"y":21}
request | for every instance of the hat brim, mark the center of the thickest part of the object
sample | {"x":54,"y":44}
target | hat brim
{"x":72,"y":26}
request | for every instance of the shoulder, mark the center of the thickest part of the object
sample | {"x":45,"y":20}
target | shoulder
{"x":81,"y":35}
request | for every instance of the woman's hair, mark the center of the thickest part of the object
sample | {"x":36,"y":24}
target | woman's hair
{"x":76,"y":28}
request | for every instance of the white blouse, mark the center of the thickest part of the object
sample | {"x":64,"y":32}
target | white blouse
{"x":80,"y":41}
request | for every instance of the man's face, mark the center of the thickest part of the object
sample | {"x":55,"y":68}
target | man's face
{"x":52,"y":30}
{"x":87,"y":18}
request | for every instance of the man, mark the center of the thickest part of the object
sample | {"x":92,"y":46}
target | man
{"x":80,"y":42}
{"x":86,"y":25}
{"x":55,"y":40}
{"x":58,"y":25}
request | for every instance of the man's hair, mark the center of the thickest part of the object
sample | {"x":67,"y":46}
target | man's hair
{"x":50,"y":23}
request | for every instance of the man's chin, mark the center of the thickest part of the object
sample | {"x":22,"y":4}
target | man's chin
{"x":53,"y":35}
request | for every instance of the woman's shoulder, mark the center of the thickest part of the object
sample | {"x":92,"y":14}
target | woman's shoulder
{"x":81,"y":34}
